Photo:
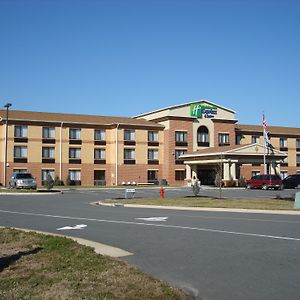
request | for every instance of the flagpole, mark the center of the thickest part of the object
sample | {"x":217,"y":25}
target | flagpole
{"x":264,"y":136}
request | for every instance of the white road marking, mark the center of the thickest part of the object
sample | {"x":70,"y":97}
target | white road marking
{"x":157,"y":225}
{"x":153,"y":219}
{"x":81,"y":226}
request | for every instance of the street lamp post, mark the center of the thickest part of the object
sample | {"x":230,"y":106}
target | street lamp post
{"x":7,"y":106}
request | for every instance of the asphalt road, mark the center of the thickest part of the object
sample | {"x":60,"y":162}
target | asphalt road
{"x":212,"y":255}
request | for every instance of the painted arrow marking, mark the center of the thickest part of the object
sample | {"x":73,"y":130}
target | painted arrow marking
{"x":81,"y":226}
{"x":154,"y":219}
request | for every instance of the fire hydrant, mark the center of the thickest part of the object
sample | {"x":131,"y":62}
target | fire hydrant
{"x":162,"y":193}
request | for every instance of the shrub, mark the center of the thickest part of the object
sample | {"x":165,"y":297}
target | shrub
{"x":49,"y":182}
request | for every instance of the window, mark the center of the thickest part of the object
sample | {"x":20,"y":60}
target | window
{"x":179,"y":175}
{"x":48,"y":152}
{"x":181,"y":136}
{"x":283,"y":144}
{"x":74,"y":153}
{"x":129,"y":156}
{"x":48,"y":132}
{"x":202,"y":137}
{"x":179,"y":161}
{"x":152,"y":176}
{"x":283,"y":174}
{"x":255,"y":173}
{"x":99,"y":156}
{"x":298,"y":144}
{"x":129,"y":135}
{"x":255,"y":139}
{"x":99,"y":135}
{"x":224,"y":139}
{"x":238,"y":139}
{"x":45,"y":174}
{"x":75,"y":177}
{"x":20,"y":170}
{"x":20,"y":154}
{"x":152,"y":136}
{"x":153,"y":156}
{"x":298,"y":160}
{"x":75,"y":134}
{"x":21,"y":131}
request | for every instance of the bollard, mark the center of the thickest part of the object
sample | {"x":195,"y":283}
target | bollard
{"x":162,"y":193}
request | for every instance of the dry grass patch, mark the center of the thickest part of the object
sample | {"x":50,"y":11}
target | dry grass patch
{"x":47,"y":267}
{"x":271,"y":204}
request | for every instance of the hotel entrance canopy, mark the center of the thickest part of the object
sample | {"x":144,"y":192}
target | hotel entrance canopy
{"x":230,"y":157}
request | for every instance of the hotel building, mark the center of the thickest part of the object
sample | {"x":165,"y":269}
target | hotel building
{"x":172,"y":144}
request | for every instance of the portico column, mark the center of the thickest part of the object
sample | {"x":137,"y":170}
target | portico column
{"x":188,"y":172}
{"x":194,"y":171}
{"x":232,"y":174}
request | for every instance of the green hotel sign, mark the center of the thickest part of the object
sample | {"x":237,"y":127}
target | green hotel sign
{"x":203,"y":110}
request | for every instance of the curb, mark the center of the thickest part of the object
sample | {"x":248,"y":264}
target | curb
{"x":98,"y":247}
{"x":234,"y":210}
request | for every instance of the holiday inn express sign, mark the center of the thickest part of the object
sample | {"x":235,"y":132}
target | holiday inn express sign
{"x":203,"y":110}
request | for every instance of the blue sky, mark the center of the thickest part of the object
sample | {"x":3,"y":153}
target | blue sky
{"x":125,"y":57}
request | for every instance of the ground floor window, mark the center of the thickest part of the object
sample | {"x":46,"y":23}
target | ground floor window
{"x":255,"y":173}
{"x":74,"y":177}
{"x":45,"y":174}
{"x":20,"y":170}
{"x":179,"y":174}
{"x":99,"y":177}
{"x":152,"y":176}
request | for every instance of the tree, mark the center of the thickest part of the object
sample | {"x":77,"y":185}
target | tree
{"x":49,"y":182}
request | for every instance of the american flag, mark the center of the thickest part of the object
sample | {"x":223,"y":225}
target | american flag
{"x":264,"y":122}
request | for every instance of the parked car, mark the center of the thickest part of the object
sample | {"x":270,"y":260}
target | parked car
{"x":291,"y":182}
{"x":265,"y":182}
{"x":22,"y":180}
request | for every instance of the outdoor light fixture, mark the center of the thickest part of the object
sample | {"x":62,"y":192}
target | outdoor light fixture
{"x":7,"y":106}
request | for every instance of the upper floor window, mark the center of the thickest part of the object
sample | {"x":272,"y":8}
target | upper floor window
{"x":238,"y":139}
{"x":99,"y":135}
{"x":74,"y":153}
{"x":178,"y":153}
{"x":48,"y":132}
{"x":223,"y":139}
{"x":298,"y":159}
{"x":75,"y":134}
{"x":283,"y":143}
{"x":255,"y":139}
{"x":181,"y":136}
{"x":129,"y":135}
{"x":203,"y":137}
{"x":21,"y":131}
{"x":48,"y":152}
{"x":20,"y":154}
{"x":298,"y":144}
{"x":99,"y":154}
{"x":129,"y":156}
{"x":152,"y":136}
{"x":153,"y":156}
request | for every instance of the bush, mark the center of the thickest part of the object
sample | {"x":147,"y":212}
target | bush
{"x":242,"y":181}
{"x":57,"y":181}
{"x":49,"y":182}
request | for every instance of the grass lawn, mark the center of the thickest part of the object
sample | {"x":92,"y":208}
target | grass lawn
{"x":37,"y":266}
{"x":212,"y":202}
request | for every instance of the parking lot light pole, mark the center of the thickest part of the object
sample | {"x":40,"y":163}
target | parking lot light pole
{"x":7,"y":106}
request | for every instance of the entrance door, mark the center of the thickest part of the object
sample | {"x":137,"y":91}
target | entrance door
{"x":207,"y":177}
{"x":99,"y":177}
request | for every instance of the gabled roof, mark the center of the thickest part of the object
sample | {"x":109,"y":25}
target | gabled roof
{"x":248,"y":149}
{"x":272,"y":129}
{"x":17,"y":115}
{"x":181,"y":105}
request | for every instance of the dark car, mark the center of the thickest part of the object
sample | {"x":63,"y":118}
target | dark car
{"x":22,"y":181}
{"x":292,"y":181}
{"x":265,"y":182}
